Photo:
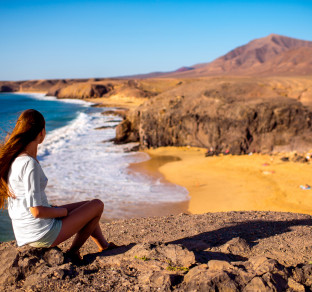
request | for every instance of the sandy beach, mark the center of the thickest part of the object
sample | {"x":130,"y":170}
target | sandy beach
{"x":258,"y":182}
{"x":118,"y":101}
{"x":235,"y":183}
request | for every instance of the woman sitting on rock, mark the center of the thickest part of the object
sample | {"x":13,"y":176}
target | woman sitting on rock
{"x":22,"y":184}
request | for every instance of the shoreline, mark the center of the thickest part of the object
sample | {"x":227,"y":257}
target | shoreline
{"x":136,"y":208}
{"x":146,"y":167}
{"x":255,"y":182}
{"x":275,"y":187}
{"x":150,"y":168}
{"x":223,"y":183}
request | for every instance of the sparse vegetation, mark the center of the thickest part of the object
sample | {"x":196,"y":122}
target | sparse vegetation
{"x":143,"y":258}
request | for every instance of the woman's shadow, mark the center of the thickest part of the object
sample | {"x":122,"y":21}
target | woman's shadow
{"x":250,"y":231}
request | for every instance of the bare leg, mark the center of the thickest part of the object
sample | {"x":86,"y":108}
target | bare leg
{"x":97,"y":235}
{"x":83,"y":219}
{"x":99,"y":239}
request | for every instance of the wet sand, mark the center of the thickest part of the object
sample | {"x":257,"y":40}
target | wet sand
{"x":150,"y":167}
{"x":235,"y":183}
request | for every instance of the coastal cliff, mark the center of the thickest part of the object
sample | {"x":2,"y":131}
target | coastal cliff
{"x":229,"y":116}
{"x":233,"y":251}
{"x":86,"y":88}
{"x":234,"y":115}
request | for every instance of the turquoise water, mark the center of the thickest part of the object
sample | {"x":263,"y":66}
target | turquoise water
{"x":57,"y":115}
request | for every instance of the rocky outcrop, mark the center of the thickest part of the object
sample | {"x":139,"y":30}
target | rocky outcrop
{"x":80,"y":90}
{"x":222,"y":118}
{"x":127,"y":131}
{"x":8,"y":86}
{"x":234,"y":251}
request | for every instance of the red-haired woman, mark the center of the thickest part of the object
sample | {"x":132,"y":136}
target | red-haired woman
{"x":22,"y":184}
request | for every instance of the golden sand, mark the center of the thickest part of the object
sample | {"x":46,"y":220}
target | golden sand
{"x":237,"y":183}
{"x":118,"y":100}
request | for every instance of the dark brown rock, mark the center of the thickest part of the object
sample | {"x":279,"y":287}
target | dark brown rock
{"x":125,"y":133}
{"x":176,"y":262}
{"x":8,"y":259}
{"x":300,"y":158}
{"x":6,"y":88}
{"x":27,"y":266}
{"x":295,"y":286}
{"x":221,"y":120}
{"x":83,"y":90}
{"x":285,"y":158}
{"x":117,"y":112}
{"x":105,"y":127}
{"x":53,"y":257}
{"x":204,"y":280}
{"x":236,"y":246}
{"x":303,"y":274}
{"x":262,"y":265}
{"x":174,"y":255}
{"x":256,"y":284}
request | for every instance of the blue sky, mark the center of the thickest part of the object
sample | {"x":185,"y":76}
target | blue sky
{"x":82,"y":39}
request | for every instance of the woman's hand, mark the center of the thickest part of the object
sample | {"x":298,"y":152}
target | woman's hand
{"x":48,"y":212}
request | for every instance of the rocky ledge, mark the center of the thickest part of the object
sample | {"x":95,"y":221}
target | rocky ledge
{"x":233,"y":251}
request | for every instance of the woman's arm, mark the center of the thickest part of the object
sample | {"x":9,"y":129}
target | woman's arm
{"x":48,"y":212}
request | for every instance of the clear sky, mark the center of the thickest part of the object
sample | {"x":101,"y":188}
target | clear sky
{"x":82,"y":39}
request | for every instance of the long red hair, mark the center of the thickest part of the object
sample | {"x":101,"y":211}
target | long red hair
{"x":29,"y":124}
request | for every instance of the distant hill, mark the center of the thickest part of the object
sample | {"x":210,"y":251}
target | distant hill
{"x":156,"y":74}
{"x":271,"y":55}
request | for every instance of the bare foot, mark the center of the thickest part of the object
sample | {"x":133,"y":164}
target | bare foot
{"x":110,"y":246}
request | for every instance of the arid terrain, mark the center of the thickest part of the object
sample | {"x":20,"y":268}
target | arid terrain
{"x":233,"y":251}
{"x":268,"y":56}
{"x":256,"y":100}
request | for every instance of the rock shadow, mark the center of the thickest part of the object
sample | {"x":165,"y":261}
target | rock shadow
{"x":91,"y":257}
{"x":250,"y":231}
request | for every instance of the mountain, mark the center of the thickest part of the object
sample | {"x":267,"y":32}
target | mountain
{"x":271,"y":55}
{"x":155,"y":74}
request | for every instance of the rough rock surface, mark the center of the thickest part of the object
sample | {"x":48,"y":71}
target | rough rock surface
{"x":224,"y":117}
{"x":233,"y":115}
{"x":233,"y":251}
{"x":81,"y":90}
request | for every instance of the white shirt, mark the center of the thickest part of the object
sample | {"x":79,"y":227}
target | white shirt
{"x":27,"y":182}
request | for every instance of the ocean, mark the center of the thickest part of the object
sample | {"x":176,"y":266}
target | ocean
{"x":82,"y":163}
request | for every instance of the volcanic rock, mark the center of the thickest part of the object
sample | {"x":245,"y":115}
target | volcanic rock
{"x":221,"y":118}
{"x":82,"y":90}
{"x":6,"y":88}
{"x":178,"y":260}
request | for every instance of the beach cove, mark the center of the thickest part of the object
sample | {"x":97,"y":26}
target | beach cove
{"x":258,"y":182}
{"x":215,"y":184}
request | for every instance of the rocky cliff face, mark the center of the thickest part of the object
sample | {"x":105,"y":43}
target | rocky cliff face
{"x":91,"y":88}
{"x":80,"y":90}
{"x":236,"y":118}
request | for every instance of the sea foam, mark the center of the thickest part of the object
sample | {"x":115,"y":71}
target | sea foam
{"x":82,"y":164}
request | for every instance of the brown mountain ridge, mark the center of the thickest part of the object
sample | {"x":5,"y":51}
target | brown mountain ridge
{"x":271,"y":55}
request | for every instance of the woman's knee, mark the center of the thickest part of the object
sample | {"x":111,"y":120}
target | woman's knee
{"x":98,"y":204}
